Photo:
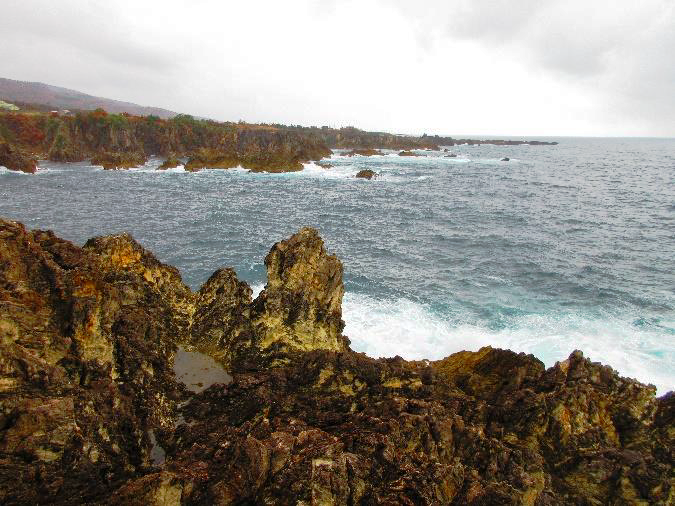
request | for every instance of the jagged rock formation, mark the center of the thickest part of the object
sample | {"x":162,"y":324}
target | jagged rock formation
{"x":14,"y":159}
{"x":87,"y":392}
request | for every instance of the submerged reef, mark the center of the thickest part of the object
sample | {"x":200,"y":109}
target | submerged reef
{"x":93,"y":410}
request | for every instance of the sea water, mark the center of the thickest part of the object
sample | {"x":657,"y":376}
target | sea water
{"x":561,"y":248}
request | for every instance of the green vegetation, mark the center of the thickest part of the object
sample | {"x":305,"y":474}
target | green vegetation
{"x":7,"y":106}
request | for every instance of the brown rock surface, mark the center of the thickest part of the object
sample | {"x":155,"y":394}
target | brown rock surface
{"x":366,"y":174}
{"x":119,"y":160}
{"x":16,"y":160}
{"x":88,"y":396}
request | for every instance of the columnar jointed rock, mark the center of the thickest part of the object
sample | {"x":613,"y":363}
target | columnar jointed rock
{"x":87,"y":339}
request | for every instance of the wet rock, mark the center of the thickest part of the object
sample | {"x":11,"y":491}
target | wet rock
{"x":452,"y":155}
{"x":366,"y":174}
{"x":505,"y":159}
{"x":85,"y":364}
{"x":409,"y":153}
{"x":16,"y":160}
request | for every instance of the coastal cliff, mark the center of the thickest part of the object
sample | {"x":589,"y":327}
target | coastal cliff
{"x":123,"y":141}
{"x":93,"y":411}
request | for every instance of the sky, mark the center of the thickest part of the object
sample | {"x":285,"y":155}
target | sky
{"x":452,"y":67}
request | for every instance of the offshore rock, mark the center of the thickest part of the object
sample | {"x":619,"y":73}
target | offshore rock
{"x":171,"y":162}
{"x":409,"y":153}
{"x":366,"y":174}
{"x":16,"y":160}
{"x":119,"y":160}
{"x":88,"y":395}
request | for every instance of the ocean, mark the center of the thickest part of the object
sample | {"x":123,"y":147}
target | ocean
{"x":561,"y":248}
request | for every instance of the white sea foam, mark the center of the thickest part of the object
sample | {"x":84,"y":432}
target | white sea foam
{"x":5,"y":170}
{"x":386,"y":328}
{"x":402,"y":327}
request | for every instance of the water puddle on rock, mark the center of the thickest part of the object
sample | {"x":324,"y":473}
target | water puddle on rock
{"x":157,"y":453}
{"x":198,"y":371}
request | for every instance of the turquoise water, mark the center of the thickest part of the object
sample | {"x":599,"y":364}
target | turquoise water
{"x":563,"y":247}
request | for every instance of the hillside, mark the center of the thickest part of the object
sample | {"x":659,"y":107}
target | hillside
{"x":63,"y":98}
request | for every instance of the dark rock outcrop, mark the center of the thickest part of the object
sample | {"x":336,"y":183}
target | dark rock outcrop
{"x":119,"y":160}
{"x":366,"y":174}
{"x":505,"y":159}
{"x":16,"y":160}
{"x":88,"y":396}
{"x":171,"y":162}
{"x":409,"y":153}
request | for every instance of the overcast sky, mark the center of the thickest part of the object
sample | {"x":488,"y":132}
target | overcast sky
{"x":509,"y":67}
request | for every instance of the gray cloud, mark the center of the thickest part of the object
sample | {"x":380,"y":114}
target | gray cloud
{"x":622,"y":49}
{"x":566,"y":66}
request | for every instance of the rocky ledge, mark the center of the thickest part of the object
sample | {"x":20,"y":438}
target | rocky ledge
{"x":92,"y":409}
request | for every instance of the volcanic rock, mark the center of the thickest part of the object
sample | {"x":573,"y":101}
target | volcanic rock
{"x":89,"y":398}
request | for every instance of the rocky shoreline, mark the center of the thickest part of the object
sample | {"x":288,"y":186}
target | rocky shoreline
{"x":122,"y":141}
{"x":93,"y":409}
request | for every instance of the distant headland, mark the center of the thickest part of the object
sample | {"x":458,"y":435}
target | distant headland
{"x":125,"y":139}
